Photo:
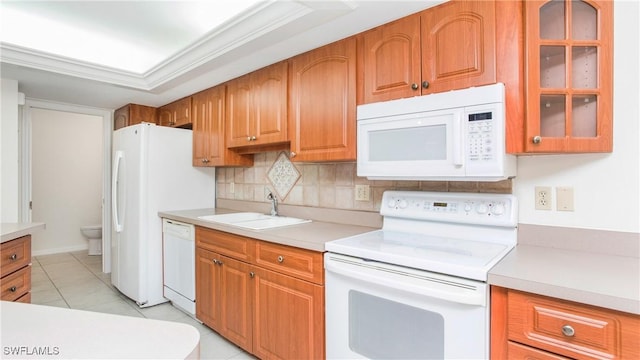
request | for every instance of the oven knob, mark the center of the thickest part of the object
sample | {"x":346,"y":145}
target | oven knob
{"x":467,"y":207}
{"x":403,"y":204}
{"x":391,"y":203}
{"x":481,"y":209}
{"x":498,"y":209}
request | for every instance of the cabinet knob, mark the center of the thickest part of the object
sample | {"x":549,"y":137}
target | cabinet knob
{"x":13,"y":256}
{"x":425,"y":84}
{"x":252,"y":274}
{"x":251,"y":138}
{"x":280,"y":259}
{"x":13,"y":289}
{"x":414,"y":86}
{"x":217,"y":262}
{"x":292,"y":154}
{"x":537,"y":139}
{"x":568,"y":330}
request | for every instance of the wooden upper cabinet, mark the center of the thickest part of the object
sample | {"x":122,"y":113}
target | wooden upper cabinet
{"x":322,"y":104}
{"x":208,"y":116}
{"x":132,"y":114}
{"x":451,"y":46}
{"x":176,"y":114}
{"x":257,"y":107}
{"x":569,"y":76}
{"x":391,"y":58}
{"x":458,"y":45}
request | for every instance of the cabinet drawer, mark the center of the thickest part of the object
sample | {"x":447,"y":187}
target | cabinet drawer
{"x":572,"y":329}
{"x":235,"y":246}
{"x":26,"y":298}
{"x":517,"y":351}
{"x":15,"y":285}
{"x":300,"y":263}
{"x":15,"y":255}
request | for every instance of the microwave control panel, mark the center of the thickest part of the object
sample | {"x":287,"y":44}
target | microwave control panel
{"x":480,"y":132}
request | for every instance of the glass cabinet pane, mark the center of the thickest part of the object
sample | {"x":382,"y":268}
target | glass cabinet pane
{"x":584,"y":110}
{"x":552,"y":20}
{"x":552,"y":67}
{"x":552,"y":116}
{"x":584,"y":21}
{"x":584,"y":67}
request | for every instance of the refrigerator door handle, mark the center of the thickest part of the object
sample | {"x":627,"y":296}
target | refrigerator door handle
{"x":115,"y":191}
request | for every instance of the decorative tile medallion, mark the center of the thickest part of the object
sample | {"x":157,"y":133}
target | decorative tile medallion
{"x":283,"y":175}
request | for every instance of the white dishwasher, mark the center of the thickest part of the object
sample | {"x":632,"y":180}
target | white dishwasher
{"x":179,"y":264}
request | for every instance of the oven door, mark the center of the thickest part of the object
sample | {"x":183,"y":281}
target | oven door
{"x":381,"y":311}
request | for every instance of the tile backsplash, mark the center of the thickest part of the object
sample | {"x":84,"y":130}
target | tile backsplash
{"x":327,"y":185}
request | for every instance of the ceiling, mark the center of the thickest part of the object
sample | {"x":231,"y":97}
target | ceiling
{"x":106,"y":54}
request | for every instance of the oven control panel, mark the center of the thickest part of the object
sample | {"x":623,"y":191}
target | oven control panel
{"x":484,"y":209}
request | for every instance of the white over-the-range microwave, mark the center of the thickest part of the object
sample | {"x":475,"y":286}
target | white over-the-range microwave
{"x":457,"y":135}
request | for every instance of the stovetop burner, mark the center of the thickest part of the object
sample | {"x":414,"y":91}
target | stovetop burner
{"x":456,"y":234}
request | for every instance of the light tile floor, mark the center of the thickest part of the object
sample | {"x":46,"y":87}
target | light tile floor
{"x":75,"y":280}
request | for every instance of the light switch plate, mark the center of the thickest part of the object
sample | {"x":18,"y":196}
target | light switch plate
{"x":564,"y":196}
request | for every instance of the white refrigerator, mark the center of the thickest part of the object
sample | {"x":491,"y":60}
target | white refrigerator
{"x":152,"y":172}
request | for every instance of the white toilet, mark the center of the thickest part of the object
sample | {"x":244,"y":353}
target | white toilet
{"x":93,"y":233}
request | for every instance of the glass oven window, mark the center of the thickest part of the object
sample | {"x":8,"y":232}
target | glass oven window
{"x":384,"y":329}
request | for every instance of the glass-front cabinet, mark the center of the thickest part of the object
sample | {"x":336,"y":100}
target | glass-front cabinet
{"x":569,"y":76}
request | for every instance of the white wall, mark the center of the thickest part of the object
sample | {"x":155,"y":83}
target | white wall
{"x":9,"y":150}
{"x":67,"y":167}
{"x":606,"y":186}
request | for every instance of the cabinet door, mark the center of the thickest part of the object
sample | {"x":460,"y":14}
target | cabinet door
{"x":182,"y":112}
{"x":289,"y":317}
{"x":141,"y":113}
{"x":165,"y":115}
{"x":458,"y":46}
{"x":238,"y":112}
{"x":391,"y":60}
{"x":208,"y":288}
{"x":236,"y":303}
{"x":323,"y":103}
{"x":269,"y":89}
{"x":121,"y":117}
{"x":569,"y":76}
{"x":209,"y":143}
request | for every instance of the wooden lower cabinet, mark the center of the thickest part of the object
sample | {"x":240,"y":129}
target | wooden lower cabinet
{"x":530,"y":326}
{"x":289,"y":317}
{"x":267,"y":313}
{"x":15,"y":270}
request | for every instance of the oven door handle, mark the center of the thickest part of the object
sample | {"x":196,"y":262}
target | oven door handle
{"x":432,"y":287}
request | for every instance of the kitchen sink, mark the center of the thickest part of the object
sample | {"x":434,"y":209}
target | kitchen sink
{"x":254,"y":221}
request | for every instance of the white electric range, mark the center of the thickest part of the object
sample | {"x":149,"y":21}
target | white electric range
{"x":417,"y":287}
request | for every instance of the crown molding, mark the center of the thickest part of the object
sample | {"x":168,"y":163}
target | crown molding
{"x":232,"y":36}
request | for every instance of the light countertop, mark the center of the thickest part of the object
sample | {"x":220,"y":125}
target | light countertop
{"x":310,"y":236}
{"x":11,"y":231}
{"x":603,"y":270}
{"x":47,"y":332}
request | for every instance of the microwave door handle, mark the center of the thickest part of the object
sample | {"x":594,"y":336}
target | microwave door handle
{"x":458,"y":139}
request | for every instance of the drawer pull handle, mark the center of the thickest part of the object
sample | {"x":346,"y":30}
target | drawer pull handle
{"x":13,"y":289}
{"x":13,"y":256}
{"x":280,"y":259}
{"x":568,"y":330}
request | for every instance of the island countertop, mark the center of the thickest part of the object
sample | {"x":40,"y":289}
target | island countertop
{"x":12,"y":231}
{"x":47,"y":332}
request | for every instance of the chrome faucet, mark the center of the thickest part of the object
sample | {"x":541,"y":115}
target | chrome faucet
{"x":274,"y":204}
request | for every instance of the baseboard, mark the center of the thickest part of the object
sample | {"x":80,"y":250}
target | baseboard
{"x":60,"y":250}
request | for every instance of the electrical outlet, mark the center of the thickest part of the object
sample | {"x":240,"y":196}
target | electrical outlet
{"x":564,"y":196}
{"x":543,"y":197}
{"x":363,"y":193}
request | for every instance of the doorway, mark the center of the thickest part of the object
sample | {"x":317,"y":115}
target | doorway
{"x":66,"y":168}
